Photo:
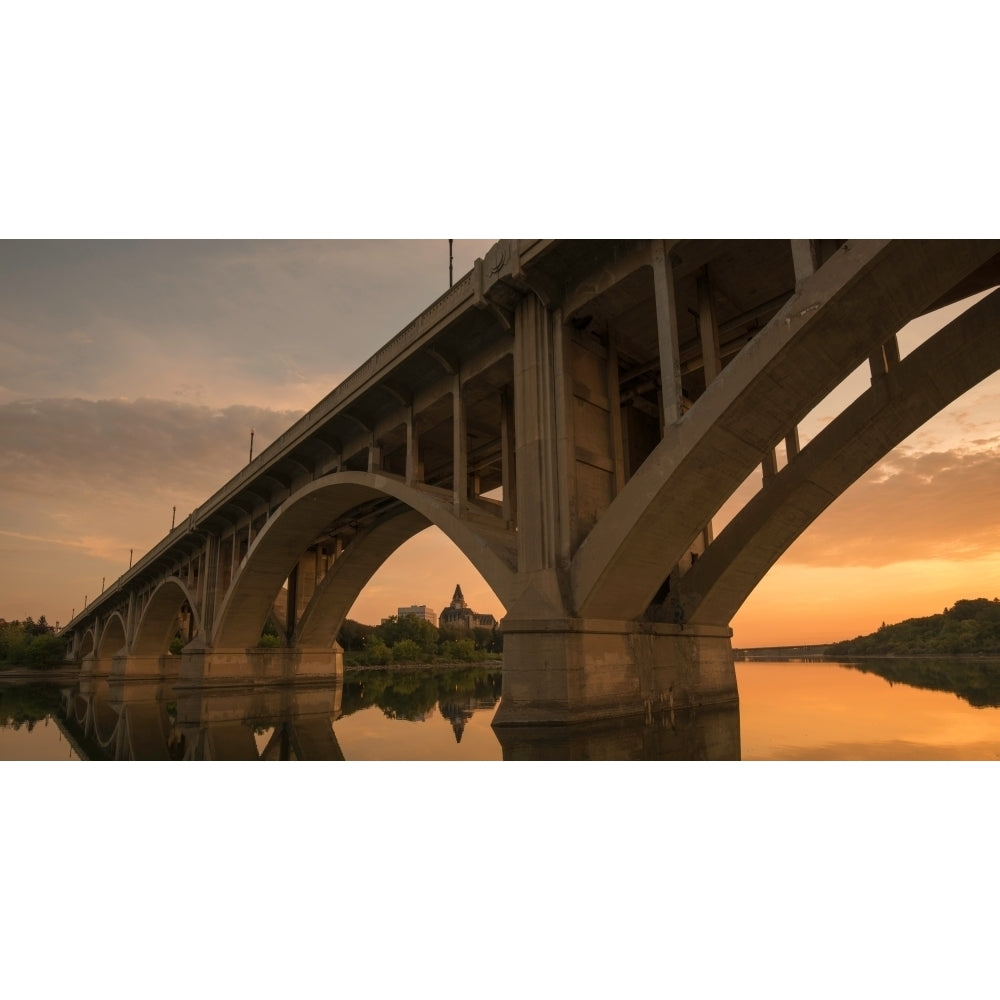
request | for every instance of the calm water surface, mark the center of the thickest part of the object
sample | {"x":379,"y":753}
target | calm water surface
{"x":888,"y":710}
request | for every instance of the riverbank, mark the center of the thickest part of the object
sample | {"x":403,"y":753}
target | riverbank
{"x":963,"y":657}
{"x":494,"y":664}
{"x":51,"y":675}
{"x":71,"y":674}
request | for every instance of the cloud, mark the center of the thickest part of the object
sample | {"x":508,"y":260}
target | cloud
{"x":100,"y":546}
{"x":105,"y":476}
{"x":53,"y":446}
{"x":912,"y":506}
{"x":206,"y":321}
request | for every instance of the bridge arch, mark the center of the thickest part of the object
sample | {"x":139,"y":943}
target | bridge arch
{"x":349,"y":575}
{"x":938,"y":372}
{"x":113,"y":637}
{"x":104,"y":719}
{"x":88,"y":643}
{"x":152,"y":637}
{"x":489,"y":546}
{"x":840,"y":315}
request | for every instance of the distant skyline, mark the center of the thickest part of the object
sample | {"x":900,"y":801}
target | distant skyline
{"x":131,"y":374}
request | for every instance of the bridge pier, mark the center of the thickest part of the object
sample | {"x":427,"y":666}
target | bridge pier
{"x":93,"y":665}
{"x":695,"y":734}
{"x":577,"y":670}
{"x":131,"y":667}
{"x":204,"y":665}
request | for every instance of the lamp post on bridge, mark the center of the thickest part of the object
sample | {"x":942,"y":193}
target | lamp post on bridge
{"x":251,"y":444}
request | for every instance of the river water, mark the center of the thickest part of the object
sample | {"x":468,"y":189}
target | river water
{"x":887,"y":710}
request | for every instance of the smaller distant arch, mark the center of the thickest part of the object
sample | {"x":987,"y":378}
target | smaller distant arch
{"x":113,"y":636}
{"x":88,"y":643}
{"x":170,"y":602}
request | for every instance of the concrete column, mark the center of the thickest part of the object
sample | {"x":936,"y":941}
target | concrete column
{"x":804,"y":260}
{"x":209,"y":584}
{"x":566,"y":482}
{"x":667,"y":332}
{"x":890,"y":350}
{"x":615,"y":413}
{"x":412,"y":450}
{"x":130,"y":618}
{"x":291,"y":607}
{"x":374,"y":456}
{"x":709,"y":328}
{"x":460,"y":449}
{"x":535,"y":434}
{"x":508,"y":476}
{"x":769,"y":464}
{"x":885,"y":358}
{"x":792,"y":443}
{"x":306,"y":578}
{"x":234,"y":557}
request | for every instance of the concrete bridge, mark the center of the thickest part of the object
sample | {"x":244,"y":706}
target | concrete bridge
{"x":118,"y":719}
{"x":572,"y":415}
{"x":107,"y":718}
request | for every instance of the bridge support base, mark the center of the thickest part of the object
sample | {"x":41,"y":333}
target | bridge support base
{"x":126,"y":667}
{"x":691,"y":734}
{"x":94,"y":666}
{"x":204,"y":665}
{"x":574,"y":670}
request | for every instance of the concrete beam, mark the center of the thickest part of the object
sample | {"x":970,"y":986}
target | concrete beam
{"x":859,"y":298}
{"x":947,"y":365}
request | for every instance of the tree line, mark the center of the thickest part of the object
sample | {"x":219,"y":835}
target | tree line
{"x":413,"y":640}
{"x":30,"y":643}
{"x":969,"y":627}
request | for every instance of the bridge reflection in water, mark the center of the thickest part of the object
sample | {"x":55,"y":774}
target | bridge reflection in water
{"x":119,"y":719}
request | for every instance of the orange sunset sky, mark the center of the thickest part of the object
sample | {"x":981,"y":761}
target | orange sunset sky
{"x":132,"y":372}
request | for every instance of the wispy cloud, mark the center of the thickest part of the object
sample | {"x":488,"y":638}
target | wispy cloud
{"x":57,"y":446}
{"x":99,"y":546}
{"x":915,"y":505}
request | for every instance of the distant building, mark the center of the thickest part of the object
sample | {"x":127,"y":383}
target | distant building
{"x":458,"y":615}
{"x":419,"y":611}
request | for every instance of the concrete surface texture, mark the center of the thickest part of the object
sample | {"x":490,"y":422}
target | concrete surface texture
{"x":572,"y":414}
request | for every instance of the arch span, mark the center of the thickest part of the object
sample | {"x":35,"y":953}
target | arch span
{"x":955,"y":359}
{"x":348,"y":576}
{"x":846,"y":310}
{"x":306,"y":515}
{"x":112,"y":637}
{"x":152,"y":637}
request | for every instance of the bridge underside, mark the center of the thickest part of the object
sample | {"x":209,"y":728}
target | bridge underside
{"x":572,"y":415}
{"x":638,"y":616}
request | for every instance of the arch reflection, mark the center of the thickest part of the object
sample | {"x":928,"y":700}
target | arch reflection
{"x":120,"y":719}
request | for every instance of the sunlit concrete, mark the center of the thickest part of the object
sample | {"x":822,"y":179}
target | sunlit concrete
{"x":571,"y":414}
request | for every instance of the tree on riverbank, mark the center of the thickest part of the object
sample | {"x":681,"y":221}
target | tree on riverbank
{"x":413,"y":640}
{"x":30,"y":644}
{"x":25,"y":705}
{"x":970,"y":627}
